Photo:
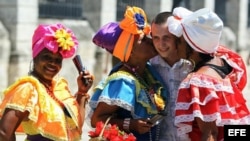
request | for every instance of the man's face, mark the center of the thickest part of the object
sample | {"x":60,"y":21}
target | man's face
{"x":164,"y":42}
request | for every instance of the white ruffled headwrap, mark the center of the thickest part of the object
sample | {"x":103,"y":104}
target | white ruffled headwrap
{"x":201,"y":29}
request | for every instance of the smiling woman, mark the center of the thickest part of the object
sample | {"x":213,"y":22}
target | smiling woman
{"x":40,"y":105}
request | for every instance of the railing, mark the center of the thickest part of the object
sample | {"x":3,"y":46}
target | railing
{"x":61,"y":9}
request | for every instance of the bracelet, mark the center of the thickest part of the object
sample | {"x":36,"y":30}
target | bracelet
{"x":126,"y":123}
{"x":82,"y":94}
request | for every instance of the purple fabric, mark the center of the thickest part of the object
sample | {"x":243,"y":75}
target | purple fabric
{"x":107,"y":36}
{"x":37,"y":137}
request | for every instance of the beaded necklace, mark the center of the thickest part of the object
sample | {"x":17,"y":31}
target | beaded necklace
{"x":149,"y":93}
{"x":48,"y":90}
{"x":51,"y":94}
{"x":149,"y":90}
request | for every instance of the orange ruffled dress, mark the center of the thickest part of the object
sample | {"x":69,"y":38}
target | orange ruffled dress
{"x":212,"y":99}
{"x":46,"y":116}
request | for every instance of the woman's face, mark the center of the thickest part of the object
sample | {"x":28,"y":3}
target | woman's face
{"x":47,"y":64}
{"x":182,"y":48}
{"x":144,"y":48}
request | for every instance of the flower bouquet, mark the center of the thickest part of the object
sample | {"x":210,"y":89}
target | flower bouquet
{"x":108,"y":132}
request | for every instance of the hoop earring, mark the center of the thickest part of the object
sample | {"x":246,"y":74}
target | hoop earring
{"x":31,"y":67}
{"x":193,"y":63}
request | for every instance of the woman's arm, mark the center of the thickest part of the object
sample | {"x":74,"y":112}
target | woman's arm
{"x":82,"y":100}
{"x":209,"y":130}
{"x":103,"y":111}
{"x":9,"y":122}
{"x":82,"y":95}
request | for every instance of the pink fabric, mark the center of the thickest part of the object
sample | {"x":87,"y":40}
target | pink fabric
{"x":44,"y":37}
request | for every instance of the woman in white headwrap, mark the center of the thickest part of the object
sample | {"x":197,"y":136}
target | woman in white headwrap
{"x":210,"y":96}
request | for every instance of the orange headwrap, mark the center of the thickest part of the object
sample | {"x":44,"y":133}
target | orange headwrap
{"x":134,"y":23}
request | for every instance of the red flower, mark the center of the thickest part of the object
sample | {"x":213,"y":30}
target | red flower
{"x":111,"y":133}
{"x":116,"y":138}
{"x":98,"y":129}
{"x":130,"y":137}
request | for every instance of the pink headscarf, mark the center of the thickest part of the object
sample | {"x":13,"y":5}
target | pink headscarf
{"x":55,"y":38}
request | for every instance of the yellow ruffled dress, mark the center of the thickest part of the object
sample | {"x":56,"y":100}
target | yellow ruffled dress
{"x":46,"y":116}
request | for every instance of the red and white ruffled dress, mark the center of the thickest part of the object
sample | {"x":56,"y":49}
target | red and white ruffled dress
{"x":212,"y":99}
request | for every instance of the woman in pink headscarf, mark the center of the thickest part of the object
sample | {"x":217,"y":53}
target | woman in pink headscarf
{"x":40,"y":105}
{"x":210,"y":96}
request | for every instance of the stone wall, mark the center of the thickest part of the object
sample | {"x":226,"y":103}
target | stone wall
{"x":4,"y":56}
{"x":19,"y":18}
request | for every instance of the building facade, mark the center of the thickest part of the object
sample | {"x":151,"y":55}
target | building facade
{"x":19,"y":18}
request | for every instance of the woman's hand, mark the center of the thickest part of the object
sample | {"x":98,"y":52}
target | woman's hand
{"x":83,"y":88}
{"x":140,"y":125}
{"x":82,"y":95}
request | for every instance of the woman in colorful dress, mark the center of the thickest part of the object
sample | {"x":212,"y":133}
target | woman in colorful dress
{"x":133,"y":92}
{"x":41,"y":104}
{"x":210,"y":96}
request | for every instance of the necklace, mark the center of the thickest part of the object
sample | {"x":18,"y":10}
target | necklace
{"x":51,"y":93}
{"x":48,"y":89}
{"x":193,"y":63}
{"x":150,"y":95}
{"x":149,"y":90}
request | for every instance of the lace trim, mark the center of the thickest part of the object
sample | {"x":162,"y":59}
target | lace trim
{"x":117,"y":102}
{"x":183,"y":127}
{"x":140,"y":93}
{"x":186,"y":105}
{"x":223,"y":108}
{"x":200,"y":80}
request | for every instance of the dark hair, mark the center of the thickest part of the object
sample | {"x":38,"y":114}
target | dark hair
{"x":161,"y":17}
{"x":205,"y":57}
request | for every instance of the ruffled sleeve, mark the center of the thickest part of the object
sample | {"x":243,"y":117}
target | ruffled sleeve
{"x":46,"y":116}
{"x":118,"y":89}
{"x":122,"y":89}
{"x":238,"y":65}
{"x":210,"y":99}
{"x":21,"y":96}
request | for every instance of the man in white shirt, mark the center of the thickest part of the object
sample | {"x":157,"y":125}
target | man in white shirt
{"x":172,"y":69}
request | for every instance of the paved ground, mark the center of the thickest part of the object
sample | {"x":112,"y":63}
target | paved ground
{"x":86,"y":128}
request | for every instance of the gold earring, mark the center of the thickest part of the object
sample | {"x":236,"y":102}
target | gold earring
{"x":193,"y":62}
{"x":31,"y":67}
